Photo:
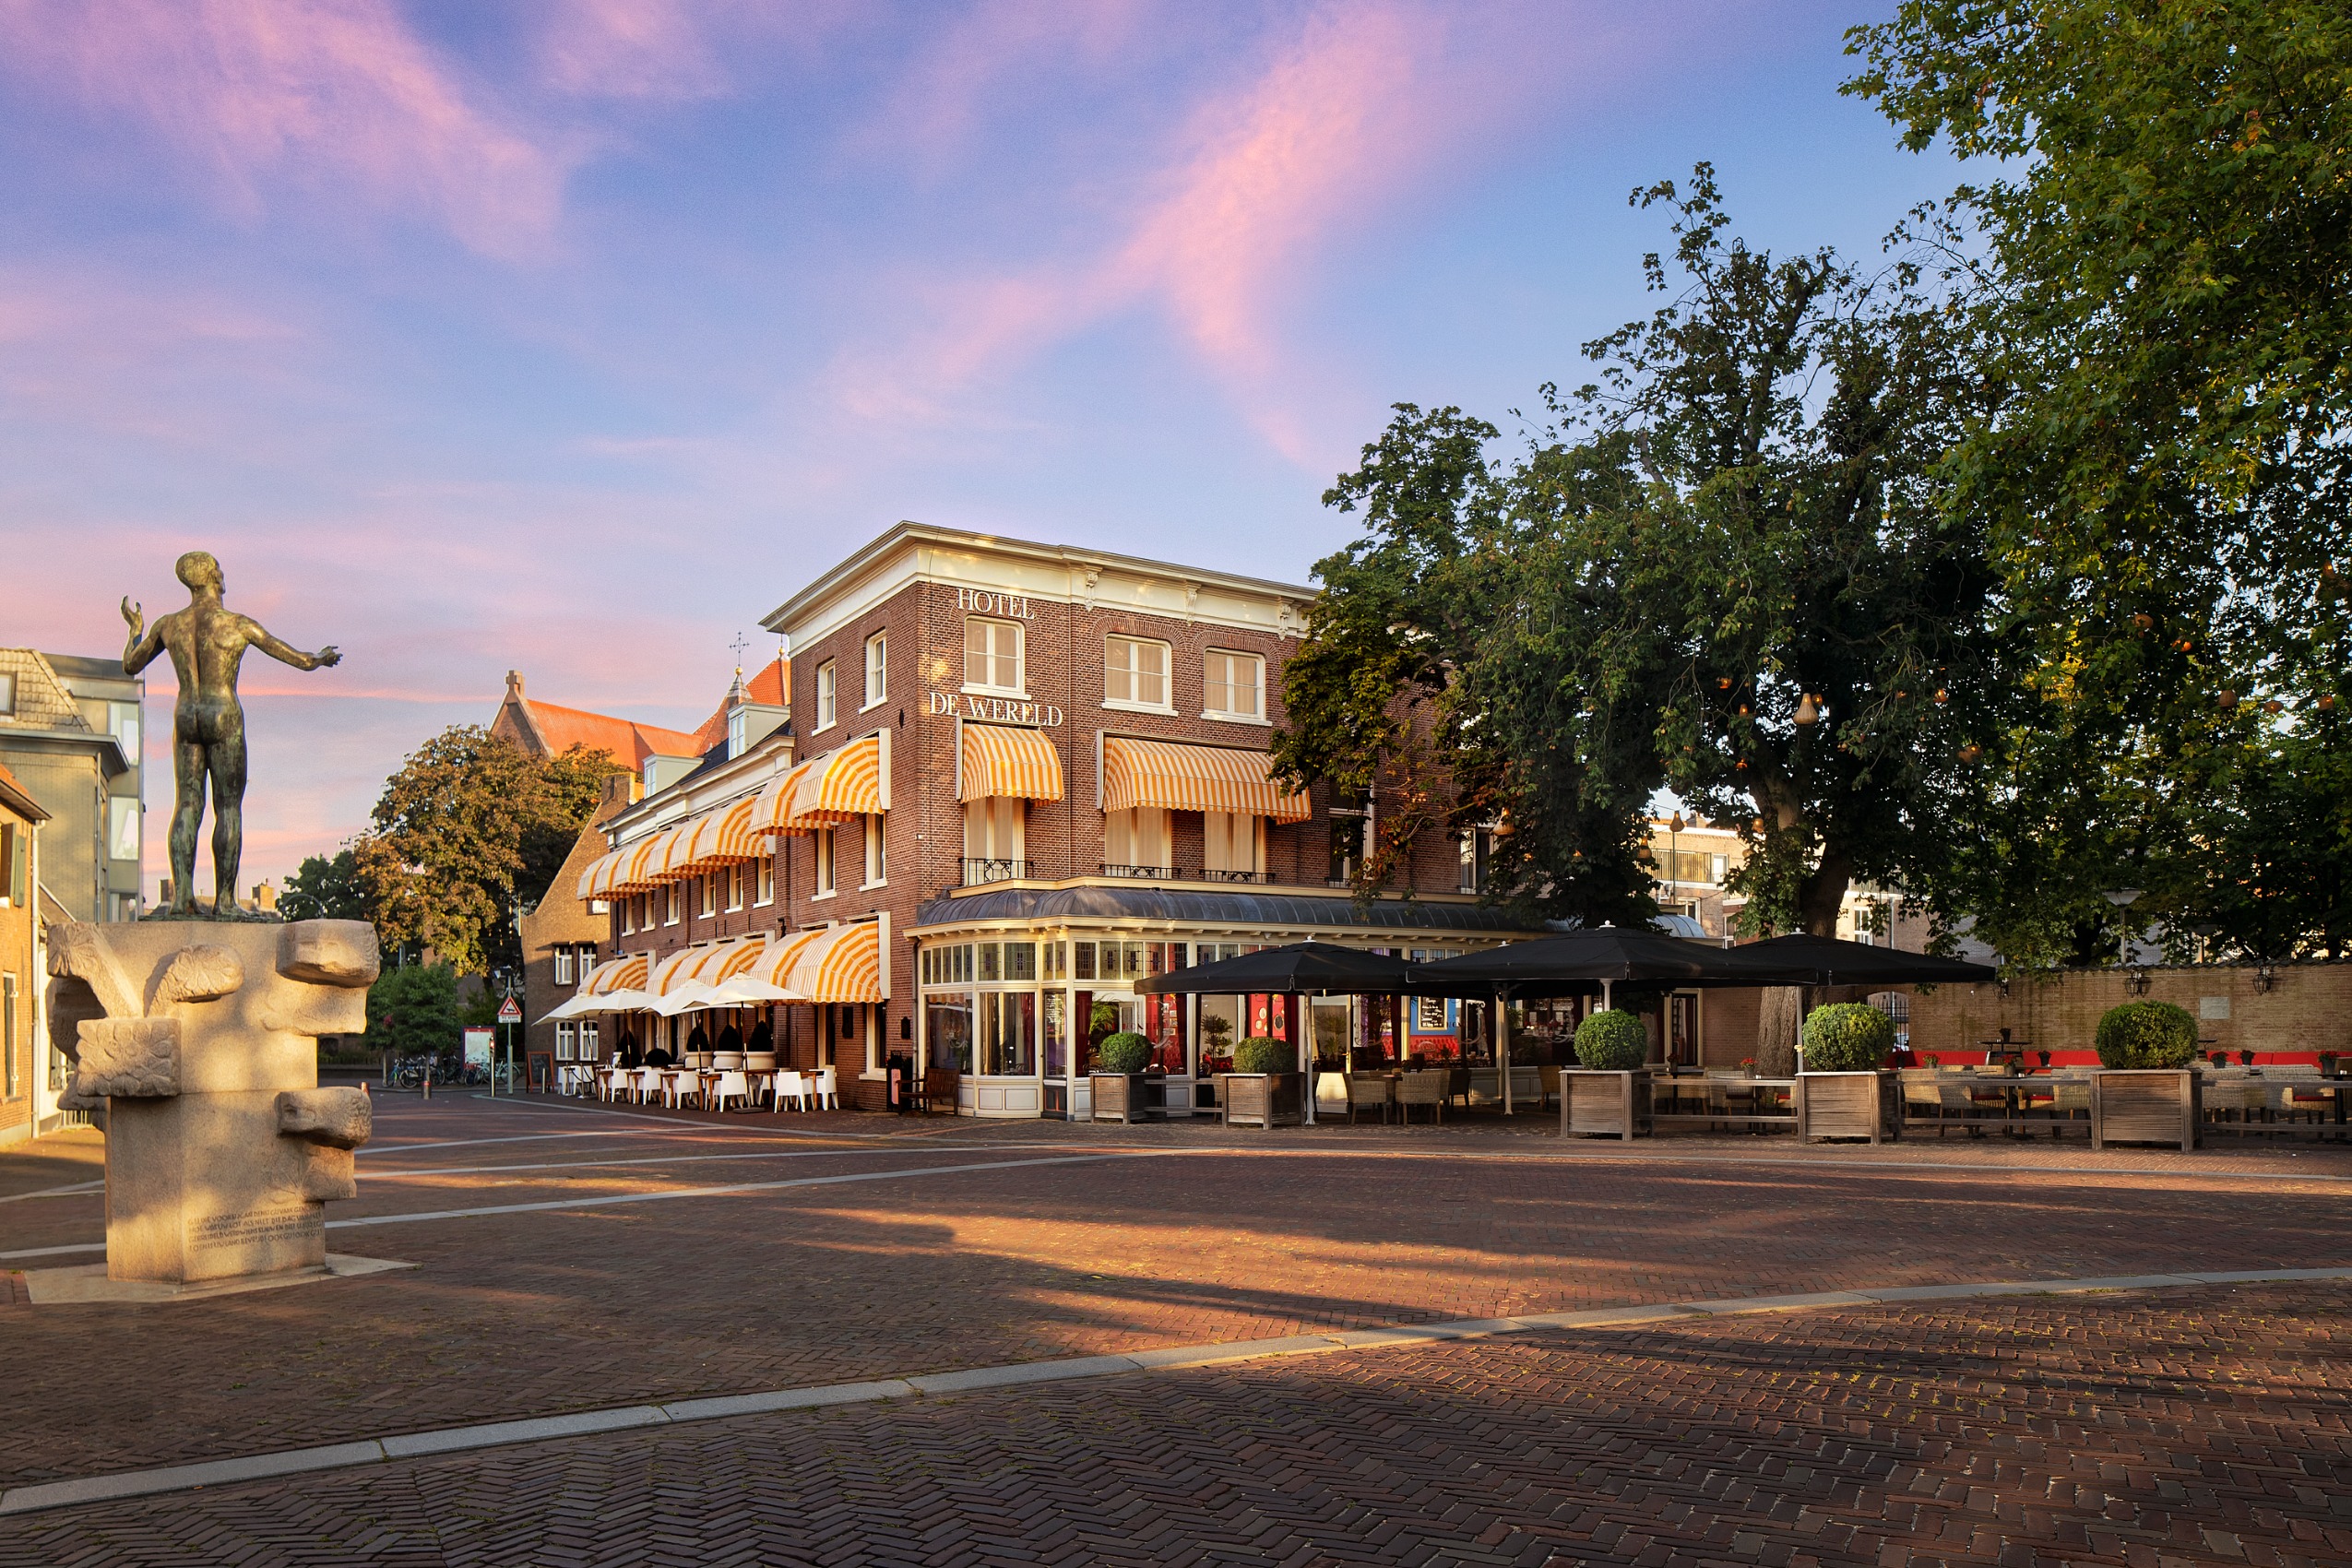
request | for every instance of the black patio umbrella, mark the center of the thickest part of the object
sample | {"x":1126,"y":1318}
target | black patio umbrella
{"x":1825,"y":960}
{"x":1314,"y":968}
{"x":1579,"y":962}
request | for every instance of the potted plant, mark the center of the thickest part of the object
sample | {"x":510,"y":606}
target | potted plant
{"x":2328,"y":1060}
{"x":2144,"y":1092}
{"x":1748,"y":1065}
{"x":1607,"y":1094}
{"x":1118,"y":1077}
{"x":1842,"y":1091}
{"x":2045,"y":1056}
{"x":1265,"y":1088}
{"x":2245,"y":1059}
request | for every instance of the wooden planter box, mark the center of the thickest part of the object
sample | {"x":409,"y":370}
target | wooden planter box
{"x":1119,"y":1097}
{"x":1842,"y":1105}
{"x":1262,"y":1099}
{"x":2138,"y":1105}
{"x":1599,"y":1104}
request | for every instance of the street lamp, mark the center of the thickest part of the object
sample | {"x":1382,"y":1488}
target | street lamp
{"x":2124,"y":898}
{"x":1673,"y":865}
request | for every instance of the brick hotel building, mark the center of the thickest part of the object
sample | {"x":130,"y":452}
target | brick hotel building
{"x":1016,"y":779}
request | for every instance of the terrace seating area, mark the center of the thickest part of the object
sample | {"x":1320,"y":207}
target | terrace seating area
{"x":720,"y":1081}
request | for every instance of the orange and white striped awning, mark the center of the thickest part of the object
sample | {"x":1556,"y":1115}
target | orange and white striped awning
{"x":617,"y":974}
{"x":775,"y":960}
{"x":1001,"y":759}
{"x":842,"y":785}
{"x":633,"y":865}
{"x":596,"y":879}
{"x":1182,"y":777}
{"x":771,"y":808}
{"x":840,"y":964}
{"x":718,"y":837}
{"x":706,"y":965}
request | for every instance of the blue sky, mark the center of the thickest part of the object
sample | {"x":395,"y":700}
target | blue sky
{"x":571,"y":337}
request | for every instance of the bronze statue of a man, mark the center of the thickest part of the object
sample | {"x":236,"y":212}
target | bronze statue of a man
{"x":206,"y":641}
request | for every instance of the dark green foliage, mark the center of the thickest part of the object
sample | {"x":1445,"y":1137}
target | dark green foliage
{"x":2146,"y":1034}
{"x":324,"y":889}
{"x":1260,"y":1053}
{"x":1126,"y":1052}
{"x":1847,"y":1037}
{"x":1612,"y":1040}
{"x":413,"y":1010}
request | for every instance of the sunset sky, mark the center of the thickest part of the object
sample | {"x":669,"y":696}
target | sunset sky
{"x":573,"y":336}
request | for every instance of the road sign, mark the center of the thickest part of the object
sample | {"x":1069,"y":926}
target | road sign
{"x":510,"y":1011}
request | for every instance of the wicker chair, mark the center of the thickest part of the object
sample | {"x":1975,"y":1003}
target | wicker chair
{"x":1430,"y":1088}
{"x":1368,"y":1089}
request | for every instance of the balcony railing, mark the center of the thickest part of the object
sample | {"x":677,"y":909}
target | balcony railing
{"x":976,"y":872}
{"x":1162,"y":872}
{"x":1257,"y":876}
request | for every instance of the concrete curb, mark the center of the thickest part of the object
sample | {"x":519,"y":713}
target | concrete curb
{"x":124,"y":1484}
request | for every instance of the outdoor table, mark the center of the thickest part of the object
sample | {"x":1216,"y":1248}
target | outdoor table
{"x":1756,"y":1103}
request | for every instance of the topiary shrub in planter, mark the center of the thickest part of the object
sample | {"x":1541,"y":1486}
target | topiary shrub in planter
{"x":2146,"y":1034}
{"x":1122,"y":1054}
{"x":1261,"y":1054}
{"x":1847,"y":1037}
{"x":1612,"y":1040}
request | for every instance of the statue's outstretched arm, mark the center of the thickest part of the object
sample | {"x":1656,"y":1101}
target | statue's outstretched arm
{"x":285,"y":653}
{"x":139,"y":651}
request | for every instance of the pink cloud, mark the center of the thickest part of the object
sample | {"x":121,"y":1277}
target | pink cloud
{"x":650,"y":48}
{"x":336,"y":96}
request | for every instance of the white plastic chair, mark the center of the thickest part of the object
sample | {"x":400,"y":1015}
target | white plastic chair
{"x":728,"y":1086}
{"x":647,"y":1085}
{"x":828,"y":1089}
{"x":794,"y":1086}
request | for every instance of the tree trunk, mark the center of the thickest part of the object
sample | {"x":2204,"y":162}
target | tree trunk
{"x":1778,"y":1013}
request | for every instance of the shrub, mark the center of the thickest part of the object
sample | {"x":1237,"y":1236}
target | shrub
{"x":1260,"y":1054}
{"x":1847,"y":1037}
{"x":1126,"y":1052}
{"x":1612,"y":1040}
{"x":2146,"y":1034}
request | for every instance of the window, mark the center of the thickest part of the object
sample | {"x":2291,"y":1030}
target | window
{"x":734,"y":887}
{"x":123,"y":723}
{"x":1477,"y":854}
{"x":1236,"y":684}
{"x":563,"y":965}
{"x":992,"y":656}
{"x":123,"y":827}
{"x":628,"y":917}
{"x":1135,"y":672}
{"x":766,"y":892}
{"x":567,"y":1039}
{"x":995,"y":830}
{"x":670,"y":902}
{"x":1135,"y":841}
{"x":587,"y":961}
{"x":8,"y":692}
{"x":1350,"y":839}
{"x":709,"y":888}
{"x":877,"y":863}
{"x":825,"y":705}
{"x":823,"y":838}
{"x":1232,"y":844}
{"x":9,"y":1031}
{"x":12,"y":856}
{"x":877,"y":669}
{"x":588,"y":1040}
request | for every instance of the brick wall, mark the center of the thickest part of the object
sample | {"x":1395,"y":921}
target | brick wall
{"x":2308,"y":1009}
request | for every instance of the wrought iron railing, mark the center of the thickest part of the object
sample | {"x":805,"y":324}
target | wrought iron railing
{"x":976,"y":872}
{"x":1165,"y":872}
{"x":1257,"y":876}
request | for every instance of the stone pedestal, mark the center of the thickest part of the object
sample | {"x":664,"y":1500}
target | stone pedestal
{"x":201,"y":1040}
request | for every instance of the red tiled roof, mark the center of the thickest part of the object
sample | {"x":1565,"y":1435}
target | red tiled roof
{"x":767,"y":686}
{"x":629,"y":742}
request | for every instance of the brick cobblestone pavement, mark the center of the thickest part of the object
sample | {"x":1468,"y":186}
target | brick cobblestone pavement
{"x":2186,"y":1426}
{"x":1209,"y":1236}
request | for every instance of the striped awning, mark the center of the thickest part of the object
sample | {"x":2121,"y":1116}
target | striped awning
{"x":706,"y":965}
{"x":1000,"y":759}
{"x":1182,"y":777}
{"x":771,"y":808}
{"x":840,"y":786}
{"x":718,"y":837}
{"x":633,"y":865}
{"x":596,"y":880}
{"x":617,"y":974}
{"x":774,"y":961}
{"x":840,"y":964}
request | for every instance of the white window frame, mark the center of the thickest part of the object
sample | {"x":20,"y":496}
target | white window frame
{"x":563,"y":964}
{"x":828,"y":696}
{"x":877,"y":671}
{"x":1231,"y":716}
{"x":566,"y":1039}
{"x":122,"y":822}
{"x":589,"y":1047}
{"x":7,"y":691}
{"x":671,"y":905}
{"x":764,"y":890}
{"x":734,"y":874}
{"x":1020,"y":687}
{"x":822,"y":845}
{"x":876,"y":851}
{"x":1255,"y":836}
{"x":1134,"y":674}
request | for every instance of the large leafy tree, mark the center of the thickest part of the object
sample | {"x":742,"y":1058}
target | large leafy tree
{"x":1724,"y":572}
{"x":326,"y":888}
{"x":471,"y":830}
{"x":2162,"y":239}
{"x":412,"y":1011}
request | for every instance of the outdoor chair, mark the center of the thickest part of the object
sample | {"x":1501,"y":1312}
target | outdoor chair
{"x":825,"y":1088}
{"x":731,"y":1085}
{"x":683,"y":1083}
{"x":936,"y":1086}
{"x":1430,"y":1088}
{"x":1365,"y":1091}
{"x":791,"y":1085}
{"x":648,"y":1084}
{"x":2229,"y":1096}
{"x":1457,"y":1085}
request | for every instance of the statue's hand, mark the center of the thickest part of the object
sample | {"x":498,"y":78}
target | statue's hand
{"x":328,"y":656}
{"x":136,"y":616}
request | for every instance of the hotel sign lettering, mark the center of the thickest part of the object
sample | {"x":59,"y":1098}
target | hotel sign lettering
{"x":994,"y":710}
{"x":1011,"y":606}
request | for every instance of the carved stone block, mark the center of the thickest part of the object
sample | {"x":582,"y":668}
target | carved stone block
{"x":75,"y":949}
{"x":338,"y":952}
{"x":337,"y":1118}
{"x":129,"y":1059}
{"x":197,"y":974}
{"x":329,"y":1174}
